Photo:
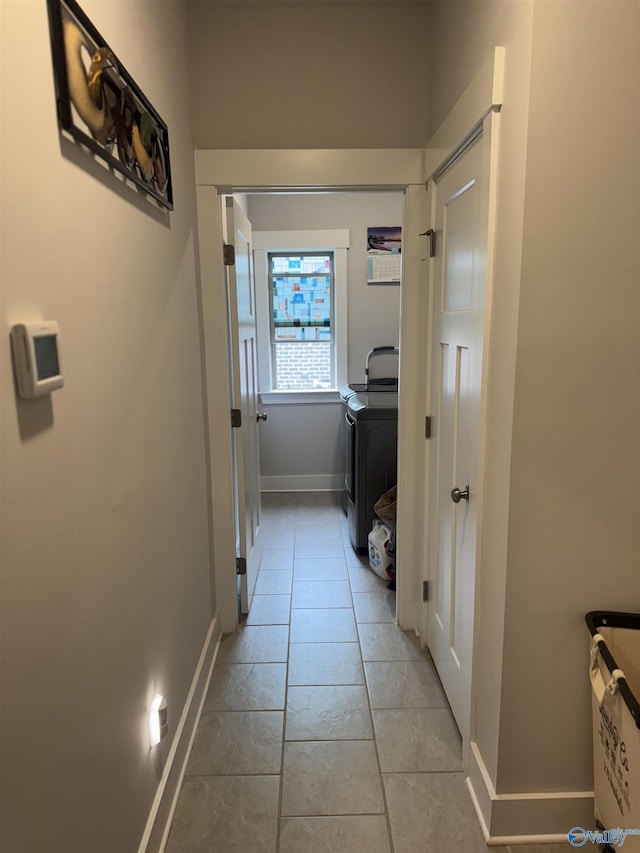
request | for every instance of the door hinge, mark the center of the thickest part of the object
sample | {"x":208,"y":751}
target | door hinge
{"x":241,"y":565}
{"x":425,"y":590}
{"x":427,"y":427}
{"x":236,"y":418}
{"x":229,"y":254}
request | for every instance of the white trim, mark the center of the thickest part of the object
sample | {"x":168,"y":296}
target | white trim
{"x":156,"y":832}
{"x":340,"y":318}
{"x":483,"y":95}
{"x":263,"y":331}
{"x":299,"y":398}
{"x":412,"y":446}
{"x":219,"y":171}
{"x":478,"y":107}
{"x":497,"y":93}
{"x":217,"y":374}
{"x":504,"y":840}
{"x":336,"y":241}
{"x":534,"y":817}
{"x":480,"y":812}
{"x":303,"y":483}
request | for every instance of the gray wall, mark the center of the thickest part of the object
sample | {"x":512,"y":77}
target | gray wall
{"x":106,"y":588}
{"x":462,"y":36}
{"x":569,"y":172}
{"x":306,"y":440}
{"x":105,"y":551}
{"x":309,"y":76}
{"x":575,"y":532}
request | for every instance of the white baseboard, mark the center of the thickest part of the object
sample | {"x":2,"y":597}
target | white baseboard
{"x":529,"y":818}
{"x":303,"y":483}
{"x":156,"y":832}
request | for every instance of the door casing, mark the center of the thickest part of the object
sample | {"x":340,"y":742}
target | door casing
{"x":244,"y":382}
{"x":460,"y":207}
{"x":224,"y":172}
{"x":478,"y":110}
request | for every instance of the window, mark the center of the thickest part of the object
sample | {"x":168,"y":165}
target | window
{"x":302,"y":327}
{"x":301,"y":307}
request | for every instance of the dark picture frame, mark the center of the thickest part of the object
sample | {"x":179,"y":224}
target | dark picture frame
{"x":102,"y":108}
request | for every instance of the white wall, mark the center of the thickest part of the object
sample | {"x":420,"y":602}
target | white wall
{"x":560,"y":534}
{"x":106,"y":587}
{"x":309,"y":76}
{"x":303,"y":440}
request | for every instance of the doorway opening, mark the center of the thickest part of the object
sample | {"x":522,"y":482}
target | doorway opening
{"x":256,"y":172}
{"x":300,"y":431}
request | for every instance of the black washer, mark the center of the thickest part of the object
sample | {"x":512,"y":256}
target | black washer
{"x":371,"y":444}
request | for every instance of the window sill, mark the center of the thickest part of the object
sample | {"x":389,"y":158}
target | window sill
{"x":292,"y":398}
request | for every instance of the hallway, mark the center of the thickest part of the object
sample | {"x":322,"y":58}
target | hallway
{"x":325,"y":728}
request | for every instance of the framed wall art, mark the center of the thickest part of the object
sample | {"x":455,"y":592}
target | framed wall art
{"x":102,"y":108}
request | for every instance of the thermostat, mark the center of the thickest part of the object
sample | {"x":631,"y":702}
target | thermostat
{"x":36,"y":358}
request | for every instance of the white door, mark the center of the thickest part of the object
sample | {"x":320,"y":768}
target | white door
{"x":461,"y":211}
{"x":242,"y":328}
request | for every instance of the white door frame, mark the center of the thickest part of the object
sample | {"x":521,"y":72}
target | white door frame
{"x":242,"y":328}
{"x":227,"y":171}
{"x":483,"y":97}
{"x":479,"y":107}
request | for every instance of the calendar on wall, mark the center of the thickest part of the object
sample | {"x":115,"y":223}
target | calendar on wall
{"x":384,"y":255}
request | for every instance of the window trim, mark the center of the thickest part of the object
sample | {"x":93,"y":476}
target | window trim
{"x":336,"y":241}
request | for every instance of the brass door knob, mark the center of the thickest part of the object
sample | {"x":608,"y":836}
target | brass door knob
{"x":457,"y":495}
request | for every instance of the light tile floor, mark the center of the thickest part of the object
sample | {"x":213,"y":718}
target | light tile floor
{"x":325,"y":729}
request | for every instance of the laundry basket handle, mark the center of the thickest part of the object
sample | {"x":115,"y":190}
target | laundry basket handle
{"x":599,"y":647}
{"x":604,"y":692}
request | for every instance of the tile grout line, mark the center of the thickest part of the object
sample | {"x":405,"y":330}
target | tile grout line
{"x":366,"y":633}
{"x":286,"y":694}
{"x":280,"y":816}
{"x":387,"y":817}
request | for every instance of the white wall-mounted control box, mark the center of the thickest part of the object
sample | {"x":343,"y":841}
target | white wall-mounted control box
{"x":36,"y":358}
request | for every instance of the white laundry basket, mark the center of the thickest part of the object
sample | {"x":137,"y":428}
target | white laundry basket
{"x":379,"y":560}
{"x":615,"y":683}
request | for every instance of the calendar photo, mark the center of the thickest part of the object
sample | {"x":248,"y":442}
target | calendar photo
{"x":384,"y":255}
